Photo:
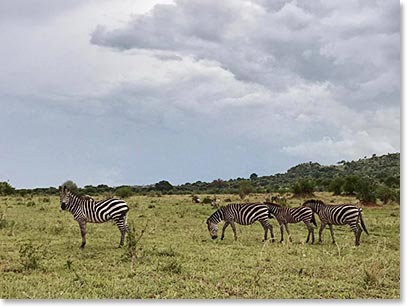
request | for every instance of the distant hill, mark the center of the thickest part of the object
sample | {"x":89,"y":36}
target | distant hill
{"x":382,"y":169}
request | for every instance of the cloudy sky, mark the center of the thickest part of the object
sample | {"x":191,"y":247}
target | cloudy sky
{"x":133,"y":92}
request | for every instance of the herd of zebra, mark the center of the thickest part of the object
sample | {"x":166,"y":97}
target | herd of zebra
{"x":86,"y":210}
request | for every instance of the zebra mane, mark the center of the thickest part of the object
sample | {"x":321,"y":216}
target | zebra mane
{"x":314,"y":201}
{"x":272,"y":204}
{"x":81,"y":197}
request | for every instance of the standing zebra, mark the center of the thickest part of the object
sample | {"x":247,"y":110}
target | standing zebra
{"x":285,"y":215}
{"x":338,"y":215}
{"x":85,"y":209}
{"x":244,"y":214}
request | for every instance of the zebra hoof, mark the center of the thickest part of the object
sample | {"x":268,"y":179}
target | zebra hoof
{"x":273,"y":240}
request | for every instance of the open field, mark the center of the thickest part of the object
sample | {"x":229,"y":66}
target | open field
{"x":175,"y":257}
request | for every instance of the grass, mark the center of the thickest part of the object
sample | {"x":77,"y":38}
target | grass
{"x":169,"y":254}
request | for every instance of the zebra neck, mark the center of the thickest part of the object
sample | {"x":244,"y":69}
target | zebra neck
{"x":217,"y":216}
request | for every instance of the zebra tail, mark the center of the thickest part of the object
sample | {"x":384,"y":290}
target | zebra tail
{"x":362,"y":223}
{"x":313,"y":220}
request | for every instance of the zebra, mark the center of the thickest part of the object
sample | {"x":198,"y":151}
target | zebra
{"x":85,"y":209}
{"x":244,"y":214}
{"x":285,"y":215}
{"x":338,"y":215}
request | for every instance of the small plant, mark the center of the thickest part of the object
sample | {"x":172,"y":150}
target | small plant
{"x":31,"y":256}
{"x":173,"y":266}
{"x":4,"y":223}
{"x":131,"y":249}
{"x":77,"y":277}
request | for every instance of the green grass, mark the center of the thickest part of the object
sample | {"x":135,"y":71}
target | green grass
{"x":175,"y":257}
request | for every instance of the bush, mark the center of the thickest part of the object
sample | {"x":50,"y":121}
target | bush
{"x":336,"y":186}
{"x":386,"y":194}
{"x":31,"y":256}
{"x":366,"y":191}
{"x":303,"y":187}
{"x":124,"y":192}
{"x":351,"y":184}
{"x":245,"y":188}
{"x":71,"y":186}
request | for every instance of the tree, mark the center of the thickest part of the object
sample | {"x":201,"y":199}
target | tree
{"x":163,"y":186}
{"x":336,"y":186}
{"x":303,"y":187}
{"x":386,"y":194}
{"x":124,"y":191}
{"x":71,"y":186}
{"x":366,"y":191}
{"x":253,"y":176}
{"x":6,"y":188}
{"x":350,"y":184}
{"x":245,"y":188}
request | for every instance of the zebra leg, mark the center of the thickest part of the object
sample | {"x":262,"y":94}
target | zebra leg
{"x":332,"y":232}
{"x":282,"y":232}
{"x":266,"y":227}
{"x":121,"y":224}
{"x":223,"y":230}
{"x":310,"y":232}
{"x":82,"y":225}
{"x":320,"y":231}
{"x":234,"y":229}
{"x":271,"y":231}
{"x":288,"y":232}
{"x":358,"y":232}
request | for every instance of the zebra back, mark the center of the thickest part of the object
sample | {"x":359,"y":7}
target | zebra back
{"x":292,"y":215}
{"x":87,"y":209}
{"x":336,"y":214}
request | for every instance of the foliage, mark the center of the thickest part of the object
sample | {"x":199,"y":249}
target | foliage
{"x":124,"y":192}
{"x":163,"y":186}
{"x":366,"y":190}
{"x":71,"y":186}
{"x":303,"y":187}
{"x":6,"y":188}
{"x":336,"y":186}
{"x":245,"y":188}
{"x":31,"y":256}
{"x":386,"y":194}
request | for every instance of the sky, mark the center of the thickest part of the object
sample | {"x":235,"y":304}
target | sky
{"x":134,"y":92}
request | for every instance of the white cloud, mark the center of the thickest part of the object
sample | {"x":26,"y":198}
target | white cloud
{"x":288,"y":80}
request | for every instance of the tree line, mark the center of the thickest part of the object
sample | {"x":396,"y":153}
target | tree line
{"x":369,"y":179}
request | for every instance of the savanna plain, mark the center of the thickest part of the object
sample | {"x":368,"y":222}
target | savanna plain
{"x":169,"y":254}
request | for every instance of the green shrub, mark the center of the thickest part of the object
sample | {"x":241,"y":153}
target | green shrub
{"x":386,"y":194}
{"x":124,"y":192}
{"x":31,"y":256}
{"x":303,"y":187}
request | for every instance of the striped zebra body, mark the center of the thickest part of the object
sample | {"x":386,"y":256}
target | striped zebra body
{"x":285,"y":215}
{"x":86,"y":210}
{"x":244,"y":214}
{"x":338,"y":215}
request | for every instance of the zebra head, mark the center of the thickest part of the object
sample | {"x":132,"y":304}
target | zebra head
{"x":213,"y":229}
{"x":64,"y":197}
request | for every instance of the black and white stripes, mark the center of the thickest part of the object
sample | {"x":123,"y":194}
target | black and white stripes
{"x":244,"y":214}
{"x":85,"y":209}
{"x":338,"y":215}
{"x":285,"y":215}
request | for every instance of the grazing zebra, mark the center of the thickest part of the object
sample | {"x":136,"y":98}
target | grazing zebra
{"x":85,"y":209}
{"x":244,"y":214}
{"x":285,"y":215}
{"x":338,"y":215}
